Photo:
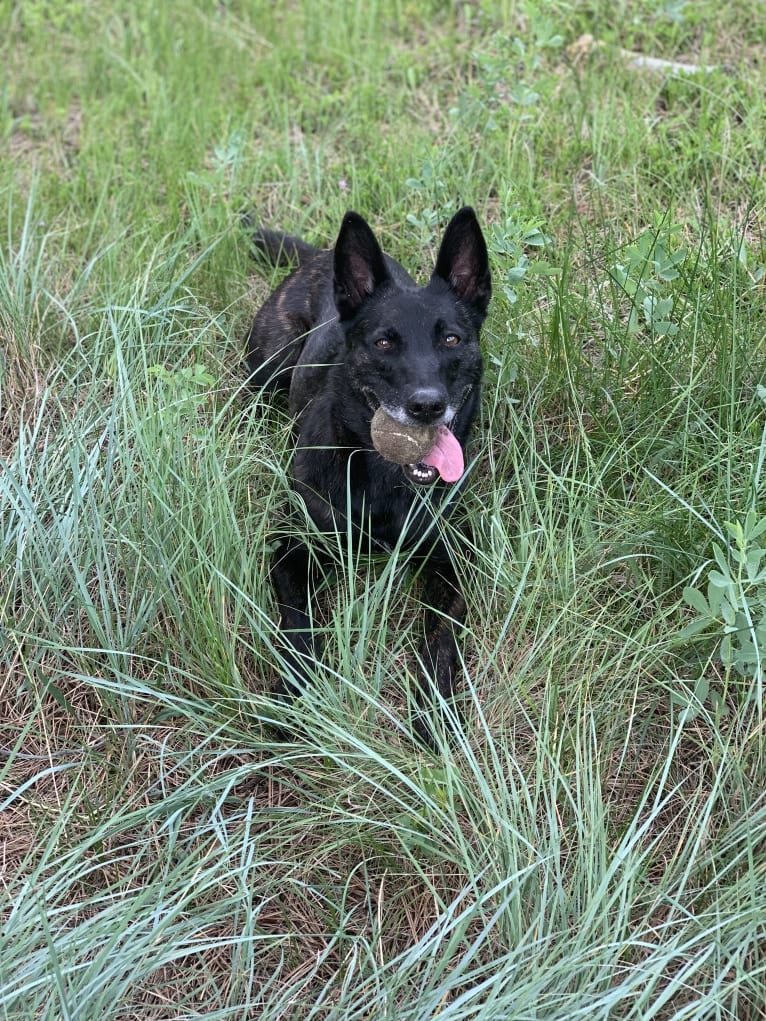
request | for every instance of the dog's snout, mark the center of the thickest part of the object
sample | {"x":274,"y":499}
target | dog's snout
{"x":426,"y":404}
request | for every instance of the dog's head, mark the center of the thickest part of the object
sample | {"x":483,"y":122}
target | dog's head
{"x":415,"y":350}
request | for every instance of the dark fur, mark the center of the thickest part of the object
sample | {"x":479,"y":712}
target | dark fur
{"x":347,"y":331}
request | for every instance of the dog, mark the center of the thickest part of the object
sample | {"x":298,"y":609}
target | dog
{"x":347,"y":332}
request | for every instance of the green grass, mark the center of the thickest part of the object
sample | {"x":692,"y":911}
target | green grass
{"x":594,"y":844}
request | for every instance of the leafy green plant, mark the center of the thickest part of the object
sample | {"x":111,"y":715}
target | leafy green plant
{"x":509,"y":75}
{"x":186,"y":390}
{"x":510,"y":240}
{"x":732,"y":606}
{"x":52,"y":15}
{"x":432,"y":196}
{"x":645,"y":273}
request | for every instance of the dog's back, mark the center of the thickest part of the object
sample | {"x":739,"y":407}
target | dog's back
{"x":281,"y":249}
{"x":283,"y":322}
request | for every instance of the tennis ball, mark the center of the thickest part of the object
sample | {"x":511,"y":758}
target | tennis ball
{"x":403,"y":444}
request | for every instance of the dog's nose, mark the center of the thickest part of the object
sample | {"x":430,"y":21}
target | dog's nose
{"x":426,"y":404}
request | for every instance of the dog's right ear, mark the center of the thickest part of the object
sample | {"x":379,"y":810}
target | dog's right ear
{"x":360,"y":266}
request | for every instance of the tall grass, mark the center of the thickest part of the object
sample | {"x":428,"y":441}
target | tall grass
{"x":590,"y":844}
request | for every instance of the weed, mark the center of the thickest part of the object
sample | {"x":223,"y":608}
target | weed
{"x":733,"y":604}
{"x":647,"y":269}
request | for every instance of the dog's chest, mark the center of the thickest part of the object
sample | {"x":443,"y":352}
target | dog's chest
{"x":387,"y":508}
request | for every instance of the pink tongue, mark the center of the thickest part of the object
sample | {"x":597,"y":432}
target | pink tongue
{"x":446,"y":456}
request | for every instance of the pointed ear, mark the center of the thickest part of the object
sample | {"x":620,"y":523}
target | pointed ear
{"x":463,"y":260}
{"x":359,"y":265}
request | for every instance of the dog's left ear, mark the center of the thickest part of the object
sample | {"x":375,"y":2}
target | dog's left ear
{"x":359,"y":265}
{"x":463,"y":260}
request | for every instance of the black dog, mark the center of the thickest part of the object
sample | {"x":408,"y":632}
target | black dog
{"x":347,"y":332}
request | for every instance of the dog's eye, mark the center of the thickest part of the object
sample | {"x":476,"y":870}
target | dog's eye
{"x":451,"y":340}
{"x":383,"y":343}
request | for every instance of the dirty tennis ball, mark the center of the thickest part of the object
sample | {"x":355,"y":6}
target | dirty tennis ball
{"x":403,"y":444}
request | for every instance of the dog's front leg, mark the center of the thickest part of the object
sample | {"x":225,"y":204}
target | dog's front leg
{"x":445,"y":611}
{"x":293,"y":575}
